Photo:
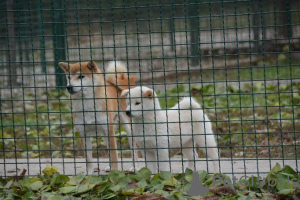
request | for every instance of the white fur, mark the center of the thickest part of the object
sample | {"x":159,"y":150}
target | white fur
{"x":89,"y":112}
{"x":173,"y":128}
{"x":116,"y":66}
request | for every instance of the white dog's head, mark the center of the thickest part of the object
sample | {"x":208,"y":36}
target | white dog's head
{"x":139,"y":101}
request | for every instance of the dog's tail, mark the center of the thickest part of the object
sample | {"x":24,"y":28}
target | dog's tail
{"x":116,"y":74}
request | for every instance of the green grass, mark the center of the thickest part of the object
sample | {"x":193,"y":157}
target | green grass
{"x":44,"y":129}
{"x":35,"y":125}
{"x":242,"y":119}
{"x":270,"y":72}
{"x":255,"y":120}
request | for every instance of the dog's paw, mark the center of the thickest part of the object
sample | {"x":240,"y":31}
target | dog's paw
{"x":131,"y":169}
{"x":90,"y":169}
{"x":90,"y":172}
{"x":107,"y":169}
{"x":96,"y":170}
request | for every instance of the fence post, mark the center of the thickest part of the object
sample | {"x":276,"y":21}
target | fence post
{"x":59,"y":42}
{"x":42,"y":39}
{"x":172,"y":31}
{"x":284,"y":24}
{"x":194,"y":33}
{"x":256,"y":25}
{"x":11,"y":55}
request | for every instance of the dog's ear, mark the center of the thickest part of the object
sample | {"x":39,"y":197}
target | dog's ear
{"x":124,"y":93}
{"x":122,"y":76}
{"x":91,"y":65}
{"x":132,"y":80}
{"x":124,"y":83}
{"x":65,"y":66}
{"x":148,"y":93}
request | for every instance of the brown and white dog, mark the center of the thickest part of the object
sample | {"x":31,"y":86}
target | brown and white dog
{"x":95,"y":104}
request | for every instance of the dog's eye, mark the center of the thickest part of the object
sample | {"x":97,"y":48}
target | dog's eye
{"x":81,"y":77}
{"x":137,"y":103}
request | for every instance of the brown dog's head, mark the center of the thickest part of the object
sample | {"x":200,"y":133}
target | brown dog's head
{"x":81,"y":75}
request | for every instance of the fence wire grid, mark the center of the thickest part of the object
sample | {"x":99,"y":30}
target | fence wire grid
{"x":238,"y":59}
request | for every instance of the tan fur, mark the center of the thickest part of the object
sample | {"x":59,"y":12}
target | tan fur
{"x":116,"y":74}
{"x":83,"y":67}
{"x":106,"y":94}
{"x":148,"y":93}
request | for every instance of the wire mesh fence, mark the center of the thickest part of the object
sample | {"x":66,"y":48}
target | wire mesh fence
{"x":238,"y":59}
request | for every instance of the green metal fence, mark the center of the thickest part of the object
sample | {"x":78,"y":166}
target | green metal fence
{"x":238,"y":58}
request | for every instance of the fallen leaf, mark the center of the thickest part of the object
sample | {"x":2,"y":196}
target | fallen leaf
{"x":150,"y":196}
{"x":49,"y":170}
{"x":222,"y":191}
{"x":36,"y":185}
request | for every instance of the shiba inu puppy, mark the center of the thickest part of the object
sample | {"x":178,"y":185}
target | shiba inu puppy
{"x":95,"y":104}
{"x":184,"y":126}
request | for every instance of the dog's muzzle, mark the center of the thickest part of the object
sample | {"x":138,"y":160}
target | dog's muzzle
{"x":70,"y":89}
{"x":128,"y":113}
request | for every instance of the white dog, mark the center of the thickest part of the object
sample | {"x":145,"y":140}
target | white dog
{"x":183,"y":126}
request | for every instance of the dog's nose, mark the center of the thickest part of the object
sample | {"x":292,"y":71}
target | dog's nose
{"x":128,"y":113}
{"x":69,"y":88}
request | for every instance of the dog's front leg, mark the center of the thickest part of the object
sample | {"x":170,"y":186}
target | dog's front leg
{"x":133,"y":146}
{"x":87,"y":146}
{"x":190,"y":152}
{"x":163,"y":159}
{"x":102,"y":131}
{"x":151,"y":161}
{"x":89,"y":156}
{"x":113,"y":148}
